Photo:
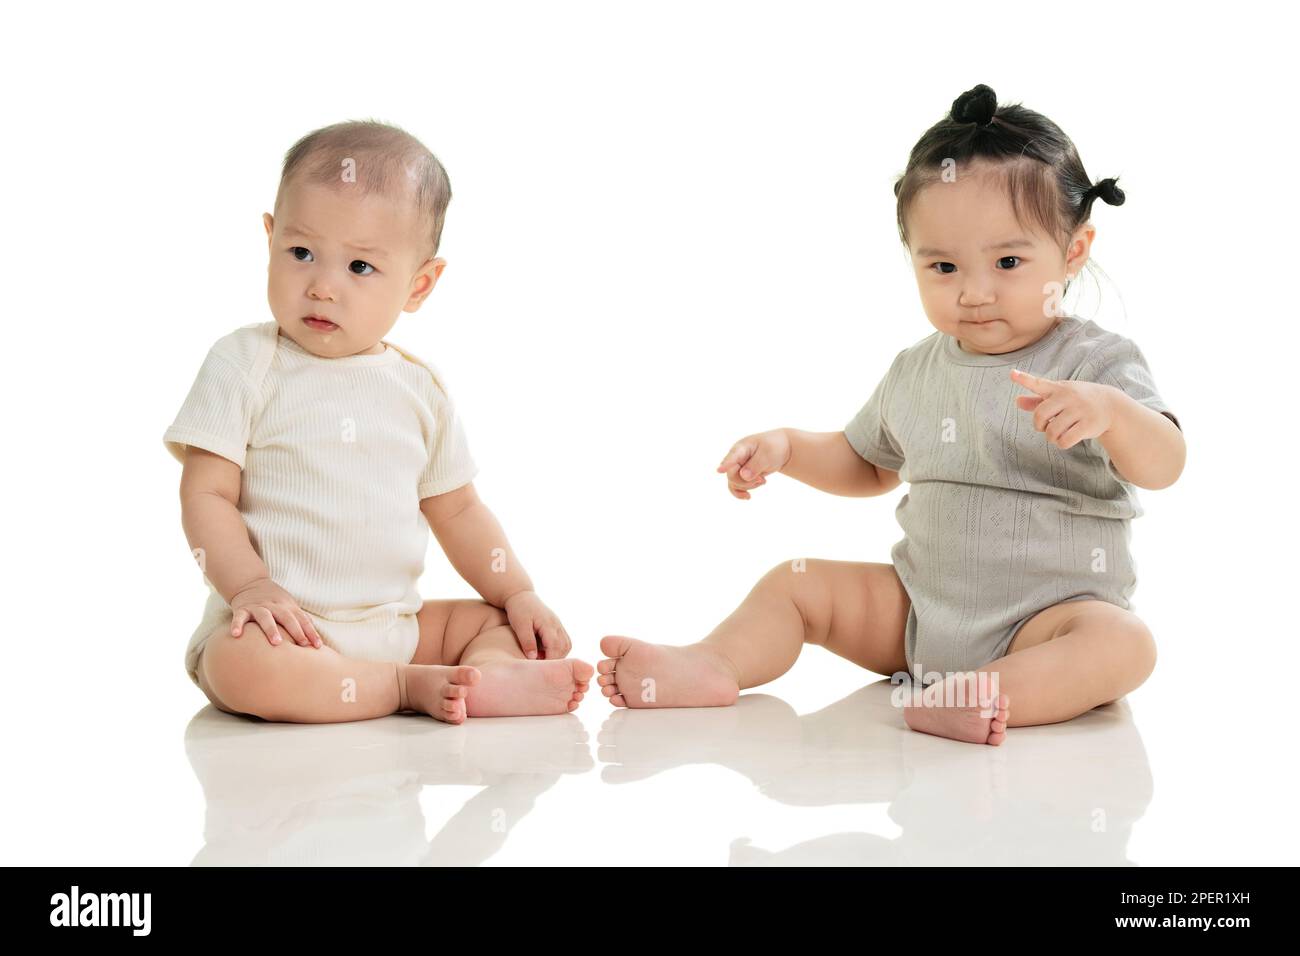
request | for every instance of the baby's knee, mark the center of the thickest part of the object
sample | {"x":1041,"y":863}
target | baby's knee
{"x":229,"y":669}
{"x":785,"y":577}
{"x":1134,"y":650}
{"x":1142,"y":646}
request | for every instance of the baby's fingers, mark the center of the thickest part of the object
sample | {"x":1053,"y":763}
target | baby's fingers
{"x":290,"y":621}
{"x":527,"y":636}
{"x":546,"y":633}
{"x":741,"y":489}
{"x":267,"y":622}
{"x":762,"y":462}
{"x":310,"y":628}
{"x":739,"y":454}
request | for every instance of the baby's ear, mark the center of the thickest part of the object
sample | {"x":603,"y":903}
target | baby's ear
{"x":269,"y":222}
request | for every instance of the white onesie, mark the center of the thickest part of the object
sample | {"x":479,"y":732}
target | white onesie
{"x":336,"y":454}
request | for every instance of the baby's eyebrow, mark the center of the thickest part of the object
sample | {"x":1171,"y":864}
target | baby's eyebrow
{"x":299,"y":231}
{"x":1017,"y":243}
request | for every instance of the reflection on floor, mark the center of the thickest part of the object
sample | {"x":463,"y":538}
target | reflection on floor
{"x":294,"y":794}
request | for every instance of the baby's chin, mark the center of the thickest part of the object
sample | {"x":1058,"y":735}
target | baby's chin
{"x":324,"y":344}
{"x":998,"y":335}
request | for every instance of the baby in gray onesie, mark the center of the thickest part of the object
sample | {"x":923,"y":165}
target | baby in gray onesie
{"x":999,"y":523}
{"x":1022,"y":431}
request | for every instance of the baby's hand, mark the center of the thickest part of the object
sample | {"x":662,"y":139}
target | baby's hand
{"x":753,"y":458}
{"x":1068,"y":411}
{"x":266,"y":603}
{"x":530,"y":617}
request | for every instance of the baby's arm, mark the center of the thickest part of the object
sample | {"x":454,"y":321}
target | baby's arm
{"x":476,"y":546}
{"x":1145,"y":446}
{"x":217,"y":534}
{"x":824,"y":460}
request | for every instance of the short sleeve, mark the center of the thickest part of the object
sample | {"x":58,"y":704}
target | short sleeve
{"x":1123,"y":366}
{"x":450,"y":464}
{"x":869,"y":433}
{"x":217,"y":415}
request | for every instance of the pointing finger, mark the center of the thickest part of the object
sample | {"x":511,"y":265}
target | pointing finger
{"x":1043,"y":386}
{"x":739,"y":453}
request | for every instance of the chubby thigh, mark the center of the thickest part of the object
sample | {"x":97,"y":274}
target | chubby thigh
{"x":857,"y":610}
{"x":381,"y":639}
{"x":448,"y":626}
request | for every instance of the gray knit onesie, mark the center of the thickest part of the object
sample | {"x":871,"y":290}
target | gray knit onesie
{"x":999,"y":523}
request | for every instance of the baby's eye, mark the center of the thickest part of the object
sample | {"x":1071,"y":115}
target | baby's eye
{"x":358,"y":262}
{"x":947,"y":272}
{"x":294,"y":250}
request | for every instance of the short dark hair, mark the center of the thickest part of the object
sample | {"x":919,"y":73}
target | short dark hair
{"x":384,"y":159}
{"x":1035,"y":161}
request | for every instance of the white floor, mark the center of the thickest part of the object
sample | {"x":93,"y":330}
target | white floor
{"x":816,"y":768}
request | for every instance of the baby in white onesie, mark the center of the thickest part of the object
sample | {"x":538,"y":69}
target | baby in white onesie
{"x":318,"y":456}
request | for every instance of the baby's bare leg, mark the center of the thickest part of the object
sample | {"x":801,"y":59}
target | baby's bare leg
{"x":478,"y":634}
{"x":1079,"y":656}
{"x":1064,"y":661}
{"x":289,"y":682}
{"x":856,"y":610}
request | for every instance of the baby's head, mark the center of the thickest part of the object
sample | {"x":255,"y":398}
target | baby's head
{"x":993,"y":209}
{"x":354,"y":237}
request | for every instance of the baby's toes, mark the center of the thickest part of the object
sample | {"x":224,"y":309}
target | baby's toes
{"x":453,"y":710}
{"x":465,"y":674}
{"x":998,"y":725}
{"x":615,"y":645}
{"x":1002,"y":709}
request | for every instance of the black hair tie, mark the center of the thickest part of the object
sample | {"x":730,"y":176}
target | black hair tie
{"x":977,"y":105}
{"x":1107,"y":191}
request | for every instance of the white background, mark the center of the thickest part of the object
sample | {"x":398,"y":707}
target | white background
{"x":672,"y":225}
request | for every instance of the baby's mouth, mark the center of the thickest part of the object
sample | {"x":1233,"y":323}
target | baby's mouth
{"x":319,"y":323}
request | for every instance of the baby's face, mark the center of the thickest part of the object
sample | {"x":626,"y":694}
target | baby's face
{"x":974,"y":262}
{"x":352,"y":260}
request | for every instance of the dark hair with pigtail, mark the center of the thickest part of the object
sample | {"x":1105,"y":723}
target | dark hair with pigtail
{"x":1036,"y":162}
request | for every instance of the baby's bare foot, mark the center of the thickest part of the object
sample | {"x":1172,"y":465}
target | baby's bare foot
{"x":637,"y":674}
{"x":436,"y":690}
{"x":984,"y":721}
{"x":515,"y":688}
